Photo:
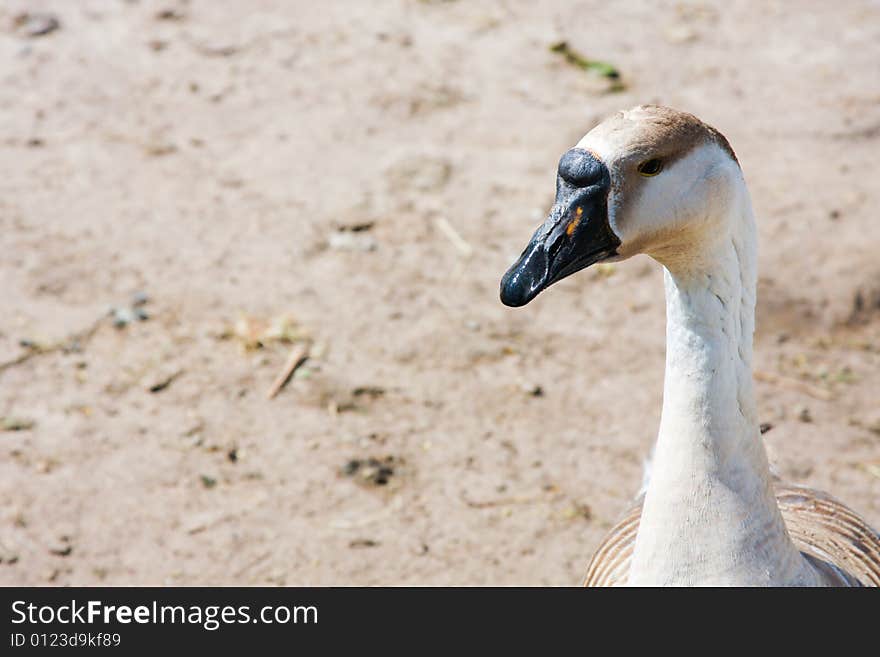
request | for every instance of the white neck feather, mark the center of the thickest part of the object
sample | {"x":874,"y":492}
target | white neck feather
{"x":710,"y":515}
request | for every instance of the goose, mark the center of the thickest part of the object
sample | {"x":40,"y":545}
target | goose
{"x":657,"y":181}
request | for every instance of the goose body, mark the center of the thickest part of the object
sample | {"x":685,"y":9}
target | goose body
{"x":839,"y":545}
{"x":658,"y":181}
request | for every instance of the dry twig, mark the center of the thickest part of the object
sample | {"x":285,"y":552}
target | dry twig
{"x":453,"y":236}
{"x":77,"y":339}
{"x":298,"y":356}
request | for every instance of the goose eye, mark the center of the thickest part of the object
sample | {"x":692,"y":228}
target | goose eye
{"x":651,"y":167}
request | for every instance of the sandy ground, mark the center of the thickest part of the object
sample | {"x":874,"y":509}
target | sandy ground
{"x":251,"y":161}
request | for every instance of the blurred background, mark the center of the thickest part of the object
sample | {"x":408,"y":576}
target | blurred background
{"x":199,"y":198}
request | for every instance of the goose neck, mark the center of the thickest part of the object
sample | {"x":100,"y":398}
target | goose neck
{"x":710,"y":514}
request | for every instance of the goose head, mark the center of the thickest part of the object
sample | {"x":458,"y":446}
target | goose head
{"x":648,"y":180}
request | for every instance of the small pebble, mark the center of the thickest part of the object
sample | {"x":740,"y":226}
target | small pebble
{"x":371,"y":471}
{"x":36,"y":24}
{"x":533,"y":389}
{"x":139,"y":298}
{"x":63,"y":548}
{"x":347,"y":241}
{"x":170,"y":15}
{"x":122,"y":317}
{"x":16,"y":423}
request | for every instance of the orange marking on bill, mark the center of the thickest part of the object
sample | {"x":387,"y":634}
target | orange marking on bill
{"x":578,"y":213}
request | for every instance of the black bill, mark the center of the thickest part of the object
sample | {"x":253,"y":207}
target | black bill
{"x":574,"y":236}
